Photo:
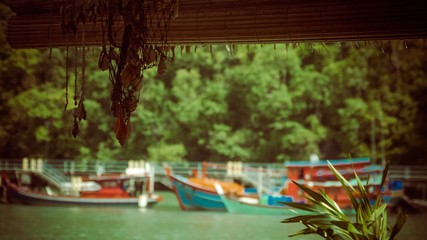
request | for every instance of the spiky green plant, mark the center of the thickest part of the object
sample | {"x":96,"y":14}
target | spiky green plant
{"x":327,"y":219}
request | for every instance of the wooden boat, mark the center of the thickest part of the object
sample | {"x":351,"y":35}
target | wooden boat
{"x":199,"y":193}
{"x":243,"y":206}
{"x":111,"y":193}
{"x":315,"y":175}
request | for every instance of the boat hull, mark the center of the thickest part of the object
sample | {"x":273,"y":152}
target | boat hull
{"x":18,"y":195}
{"x":193,"y":197}
{"x":235,"y":206}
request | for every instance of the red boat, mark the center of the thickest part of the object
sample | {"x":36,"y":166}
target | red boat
{"x":317,"y":175}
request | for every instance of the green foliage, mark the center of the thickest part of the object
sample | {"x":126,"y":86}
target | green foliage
{"x":166,"y":153}
{"x":257,"y":103}
{"x":326,"y":219}
{"x":228,"y":143}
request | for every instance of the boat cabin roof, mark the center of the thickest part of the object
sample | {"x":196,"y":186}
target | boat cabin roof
{"x":324,"y":163}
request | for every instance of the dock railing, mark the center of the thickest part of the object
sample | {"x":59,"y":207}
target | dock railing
{"x":38,"y":167}
{"x":54,"y":176}
{"x":410,"y":173}
{"x":272,"y":174}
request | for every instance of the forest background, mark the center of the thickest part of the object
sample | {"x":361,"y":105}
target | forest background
{"x":261,"y":103}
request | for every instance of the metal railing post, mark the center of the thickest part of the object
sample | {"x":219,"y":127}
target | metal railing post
{"x":407,"y":173}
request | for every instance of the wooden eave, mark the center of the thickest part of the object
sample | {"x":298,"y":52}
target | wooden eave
{"x":37,"y":23}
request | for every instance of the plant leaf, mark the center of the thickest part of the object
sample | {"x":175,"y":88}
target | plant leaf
{"x":378,"y":212}
{"x":302,"y":206}
{"x":304,"y":218}
{"x":345,"y":184}
{"x":363,"y":197}
{"x":316,"y":196}
{"x":383,"y":179}
{"x":400,"y":221}
{"x":335,"y":209}
{"x":346,"y":225}
{"x":305,"y":231}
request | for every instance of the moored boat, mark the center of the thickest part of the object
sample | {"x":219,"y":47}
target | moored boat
{"x":253,"y":206}
{"x":199,"y":193}
{"x":316,"y":176}
{"x":110,"y":193}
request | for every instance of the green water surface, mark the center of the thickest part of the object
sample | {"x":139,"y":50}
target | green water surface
{"x":164,"y":221}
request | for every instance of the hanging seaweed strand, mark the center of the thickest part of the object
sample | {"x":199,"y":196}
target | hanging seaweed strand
{"x":75,"y":128}
{"x":67,"y":75}
{"x":143,"y":45}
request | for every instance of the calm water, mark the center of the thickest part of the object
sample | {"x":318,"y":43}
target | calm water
{"x":164,"y":221}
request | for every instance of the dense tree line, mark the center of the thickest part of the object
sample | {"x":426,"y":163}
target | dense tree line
{"x":266,"y":103}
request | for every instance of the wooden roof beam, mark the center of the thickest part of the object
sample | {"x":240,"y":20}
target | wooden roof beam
{"x":37,"y":22}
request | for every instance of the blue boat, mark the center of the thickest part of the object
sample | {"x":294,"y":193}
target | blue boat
{"x":198,"y":193}
{"x":193,"y":196}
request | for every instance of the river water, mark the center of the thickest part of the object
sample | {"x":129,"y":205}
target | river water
{"x":164,"y":221}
